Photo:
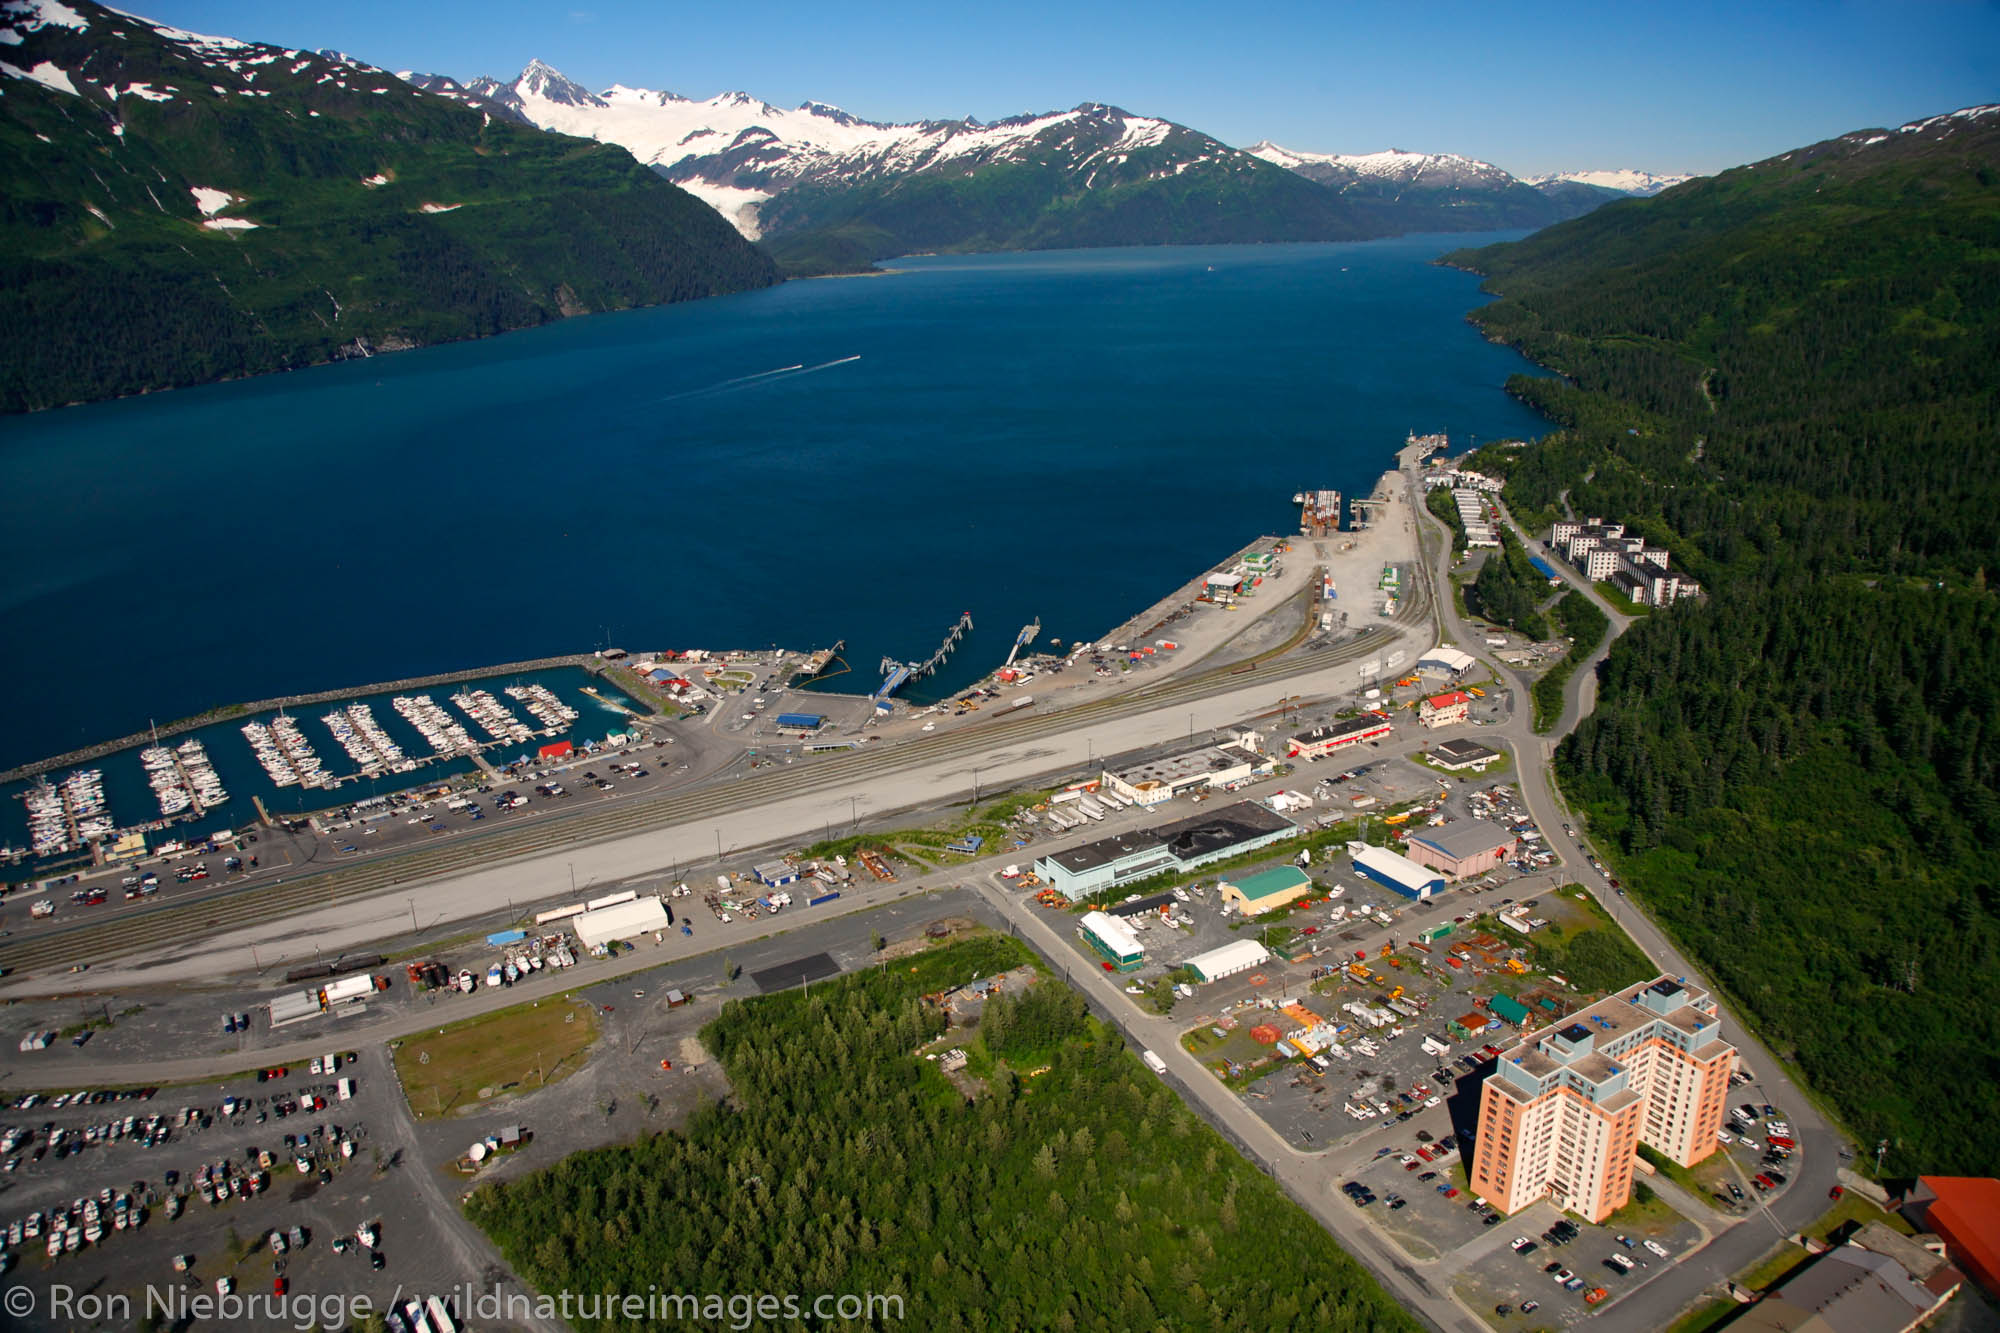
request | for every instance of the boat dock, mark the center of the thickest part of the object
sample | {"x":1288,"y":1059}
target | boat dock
{"x":896,"y":674}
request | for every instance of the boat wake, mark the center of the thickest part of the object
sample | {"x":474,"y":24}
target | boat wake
{"x":727,"y":385}
{"x":762,"y":377}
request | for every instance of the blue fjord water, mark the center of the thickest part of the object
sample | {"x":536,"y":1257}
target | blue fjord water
{"x":1064,"y":435}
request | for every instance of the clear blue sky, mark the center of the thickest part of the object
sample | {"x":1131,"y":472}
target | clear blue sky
{"x":1681,"y":86}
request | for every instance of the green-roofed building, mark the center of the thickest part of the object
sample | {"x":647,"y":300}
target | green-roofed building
{"x":1267,"y":890}
{"x":1508,"y":1009}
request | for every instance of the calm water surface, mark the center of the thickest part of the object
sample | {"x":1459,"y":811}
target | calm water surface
{"x":1063,"y":435}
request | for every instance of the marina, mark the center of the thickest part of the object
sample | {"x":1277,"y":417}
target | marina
{"x":492,"y":716}
{"x":70,"y":814}
{"x":182,"y":779}
{"x":358,"y":733}
{"x":442,"y":731}
{"x":551,"y":712}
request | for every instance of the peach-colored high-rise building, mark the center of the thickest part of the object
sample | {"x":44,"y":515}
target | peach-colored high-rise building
{"x":1562,"y":1114}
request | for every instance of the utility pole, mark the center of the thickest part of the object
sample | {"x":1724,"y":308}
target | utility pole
{"x":1880,"y":1149}
{"x":413,"y":916}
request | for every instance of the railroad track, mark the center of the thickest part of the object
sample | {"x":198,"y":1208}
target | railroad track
{"x":179,"y":922}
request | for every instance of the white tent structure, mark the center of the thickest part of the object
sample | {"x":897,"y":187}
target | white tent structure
{"x":622,"y":922}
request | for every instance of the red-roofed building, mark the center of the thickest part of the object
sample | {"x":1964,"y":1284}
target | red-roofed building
{"x":1964,"y":1213}
{"x":1441,"y":710}
{"x":557,"y":750}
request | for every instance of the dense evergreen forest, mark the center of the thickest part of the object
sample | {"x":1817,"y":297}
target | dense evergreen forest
{"x":352,"y":212}
{"x":1787,"y":374}
{"x":1074,"y":1192}
{"x":1508,"y":591}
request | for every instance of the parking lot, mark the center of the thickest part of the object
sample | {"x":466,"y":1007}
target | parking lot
{"x":1524,"y":1261}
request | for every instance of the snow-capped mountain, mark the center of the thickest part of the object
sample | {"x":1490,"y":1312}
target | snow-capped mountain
{"x":1446,"y":171}
{"x":739,"y":153}
{"x":1404,"y":191}
{"x":1435,"y":171}
{"x":1625,"y":180}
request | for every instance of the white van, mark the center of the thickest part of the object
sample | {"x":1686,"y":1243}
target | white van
{"x":345,"y":1088}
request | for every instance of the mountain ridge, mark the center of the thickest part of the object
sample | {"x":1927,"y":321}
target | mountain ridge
{"x":859,"y":186}
{"x":182,"y":208}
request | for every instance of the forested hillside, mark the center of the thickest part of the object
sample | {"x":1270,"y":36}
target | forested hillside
{"x":1074,"y":1191}
{"x":1787,"y":373}
{"x":180,"y":208}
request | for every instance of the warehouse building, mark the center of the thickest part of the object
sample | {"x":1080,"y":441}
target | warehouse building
{"x":1323,"y":741}
{"x":801,"y":721}
{"x":1442,"y":661}
{"x":777,"y":874}
{"x":1458,"y":755}
{"x":1208,"y":769}
{"x":1398,"y":873}
{"x":1564,"y":1110}
{"x":1266,"y":891}
{"x":1177,"y":848}
{"x":622,"y":922}
{"x":1878,"y":1282}
{"x":1508,"y":1009}
{"x":1461,"y":848}
{"x":1963,"y":1212}
{"x":1236,"y":956}
{"x":1112,"y":940}
{"x":1441,"y":710}
{"x":1132,"y":907}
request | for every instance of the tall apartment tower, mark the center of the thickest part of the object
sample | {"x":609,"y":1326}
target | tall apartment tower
{"x":1562,"y":1113}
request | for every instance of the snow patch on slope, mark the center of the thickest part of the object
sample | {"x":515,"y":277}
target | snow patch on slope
{"x":210,"y":201}
{"x":45,"y":74}
{"x":1968,"y":113}
{"x":33,"y":15}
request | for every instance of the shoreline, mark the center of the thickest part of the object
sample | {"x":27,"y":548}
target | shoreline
{"x":589,"y":662}
{"x":224,"y":712}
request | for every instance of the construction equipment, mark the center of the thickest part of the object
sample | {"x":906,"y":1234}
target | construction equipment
{"x":1516,"y":966}
{"x":1396,"y":994}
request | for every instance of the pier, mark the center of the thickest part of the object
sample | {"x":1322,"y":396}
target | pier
{"x":896,"y":674}
{"x":1022,"y":640}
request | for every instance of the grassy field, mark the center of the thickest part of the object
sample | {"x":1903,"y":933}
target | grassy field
{"x":1699,"y":1180}
{"x":1772,"y":1266}
{"x":1851,"y":1207}
{"x":524,"y":1048}
{"x":1703,"y":1317}
{"x":1649,"y":1215}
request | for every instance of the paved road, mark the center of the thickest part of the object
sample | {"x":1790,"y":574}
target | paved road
{"x":1733,"y":1248}
{"x":1306,"y":1176}
{"x":781,"y":805}
{"x":1018,"y":756}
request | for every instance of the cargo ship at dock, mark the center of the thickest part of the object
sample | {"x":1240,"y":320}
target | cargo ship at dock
{"x":1319,"y":512}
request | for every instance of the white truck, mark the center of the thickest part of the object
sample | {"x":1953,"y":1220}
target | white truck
{"x":1153,"y":1062}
